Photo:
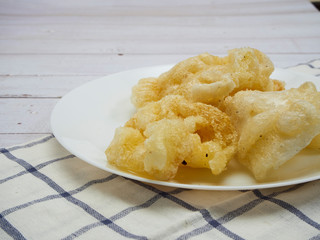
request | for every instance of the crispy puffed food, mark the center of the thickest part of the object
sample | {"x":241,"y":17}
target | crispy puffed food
{"x":166,"y":134}
{"x":209,"y":79}
{"x":274,"y":126}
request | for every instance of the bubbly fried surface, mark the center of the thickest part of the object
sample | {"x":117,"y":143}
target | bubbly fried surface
{"x":274,"y":126}
{"x":207,"y":109}
{"x":165,"y":134}
{"x":209,"y":79}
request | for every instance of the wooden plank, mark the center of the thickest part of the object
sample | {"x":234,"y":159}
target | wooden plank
{"x":153,"y":8}
{"x":211,"y":20}
{"x":169,"y":46}
{"x":282,"y":32}
{"x":91,"y":65}
{"x":101,"y":65}
{"x":8,"y":140}
{"x":161,"y":32}
{"x":294,"y":35}
{"x":25,"y":115}
{"x":40,"y":86}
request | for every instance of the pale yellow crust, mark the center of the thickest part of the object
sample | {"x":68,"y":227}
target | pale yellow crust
{"x":209,"y":79}
{"x":274,"y":126}
{"x":173,"y":131}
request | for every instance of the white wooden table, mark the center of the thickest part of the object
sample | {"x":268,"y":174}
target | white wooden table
{"x":49,"y":47}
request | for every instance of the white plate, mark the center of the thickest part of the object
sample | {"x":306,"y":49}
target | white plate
{"x":85,"y":119}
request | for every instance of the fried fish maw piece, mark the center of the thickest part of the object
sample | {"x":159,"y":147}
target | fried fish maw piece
{"x":214,"y":140}
{"x":209,"y":79}
{"x":167,"y":143}
{"x":127,"y":150}
{"x":174,"y":132}
{"x":158,"y":151}
{"x":273,"y":126}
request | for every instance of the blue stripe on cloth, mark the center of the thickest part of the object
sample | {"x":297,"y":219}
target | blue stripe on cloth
{"x":306,"y":64}
{"x":207,"y":228}
{"x":166,"y":195}
{"x":82,"y":231}
{"x":235,"y":213}
{"x":309,"y":64}
{"x":119,"y":215}
{"x":9,"y":229}
{"x":218,"y":225}
{"x":247,"y":207}
{"x":67,"y":196}
{"x":205,"y":214}
{"x":146,"y":204}
{"x":290,"y":208}
{"x":55,"y":196}
{"x":31,"y":144}
{"x":37,"y":167}
{"x":317,"y":237}
{"x":132,"y":209}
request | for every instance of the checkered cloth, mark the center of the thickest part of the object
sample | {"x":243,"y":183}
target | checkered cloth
{"x":47,"y":193}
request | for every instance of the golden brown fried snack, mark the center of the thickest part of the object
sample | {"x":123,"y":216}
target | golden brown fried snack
{"x":209,"y":79}
{"x":165,"y":134}
{"x":273,"y":126}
